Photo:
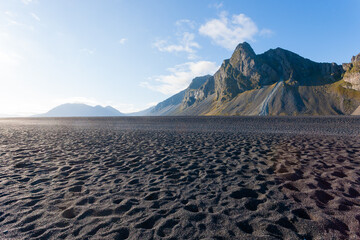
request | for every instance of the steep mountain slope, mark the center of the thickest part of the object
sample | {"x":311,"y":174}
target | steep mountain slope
{"x":357,"y":111}
{"x":81,"y":110}
{"x":352,"y":74}
{"x":277,"y":82}
{"x":182,"y":100}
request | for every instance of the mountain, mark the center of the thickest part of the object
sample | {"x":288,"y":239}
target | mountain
{"x":81,"y":110}
{"x":181,"y":100}
{"x":276,"y":82}
{"x":357,"y":111}
{"x":352,"y":73}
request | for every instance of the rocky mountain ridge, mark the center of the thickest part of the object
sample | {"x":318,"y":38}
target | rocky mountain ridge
{"x":276,"y":82}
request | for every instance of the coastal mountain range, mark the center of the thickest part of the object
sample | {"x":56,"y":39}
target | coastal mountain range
{"x":276,"y":82}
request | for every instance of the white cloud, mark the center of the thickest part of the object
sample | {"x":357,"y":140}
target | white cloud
{"x":88,"y":51}
{"x":10,"y":19}
{"x":122,"y":41}
{"x":180,"y":77}
{"x":266,"y":32}
{"x":185,"y":40}
{"x":10,"y":14}
{"x":229,"y":32}
{"x":12,"y":22}
{"x":182,"y":23}
{"x":217,"y":5}
{"x":186,"y":44}
{"x":26,"y":2}
{"x":36,"y":17}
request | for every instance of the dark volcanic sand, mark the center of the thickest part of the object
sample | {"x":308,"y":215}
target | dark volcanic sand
{"x":180,"y":178}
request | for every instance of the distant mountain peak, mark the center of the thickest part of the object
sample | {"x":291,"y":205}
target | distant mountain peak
{"x":81,"y":110}
{"x":245,"y":47}
{"x":243,"y":56}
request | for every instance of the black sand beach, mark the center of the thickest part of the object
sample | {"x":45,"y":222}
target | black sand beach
{"x":180,"y":178}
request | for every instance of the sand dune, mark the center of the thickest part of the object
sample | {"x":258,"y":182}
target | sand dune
{"x":165,"y":178}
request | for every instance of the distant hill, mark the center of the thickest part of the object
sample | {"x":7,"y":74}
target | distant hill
{"x":81,"y":110}
{"x":276,"y":82}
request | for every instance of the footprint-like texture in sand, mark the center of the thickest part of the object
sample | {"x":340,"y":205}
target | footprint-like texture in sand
{"x":94,"y":181}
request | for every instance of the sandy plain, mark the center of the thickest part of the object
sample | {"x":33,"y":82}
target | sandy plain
{"x":180,"y":178}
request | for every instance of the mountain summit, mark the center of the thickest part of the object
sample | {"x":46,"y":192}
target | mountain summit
{"x":276,"y":82}
{"x":81,"y":110}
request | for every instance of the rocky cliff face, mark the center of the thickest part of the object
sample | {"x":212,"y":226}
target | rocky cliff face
{"x":199,"y":89}
{"x":237,"y":74}
{"x":352,"y":73}
{"x":245,"y":71}
{"x":277,"y":82}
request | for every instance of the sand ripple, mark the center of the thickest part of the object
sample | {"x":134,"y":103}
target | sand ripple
{"x":73,"y":182}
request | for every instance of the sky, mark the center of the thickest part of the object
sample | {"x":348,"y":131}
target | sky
{"x":134,"y":54}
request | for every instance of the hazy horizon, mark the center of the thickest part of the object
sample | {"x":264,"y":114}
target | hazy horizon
{"x":133,"y":54}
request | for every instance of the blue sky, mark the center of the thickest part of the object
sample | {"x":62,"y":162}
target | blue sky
{"x":133,"y":54}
